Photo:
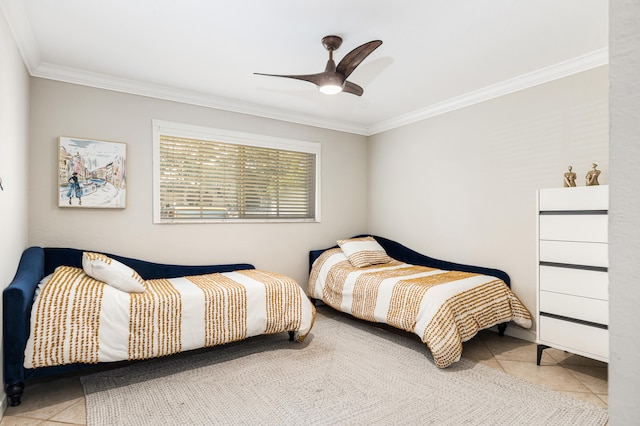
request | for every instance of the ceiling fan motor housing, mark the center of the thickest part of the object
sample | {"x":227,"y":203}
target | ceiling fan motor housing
{"x":331,"y":42}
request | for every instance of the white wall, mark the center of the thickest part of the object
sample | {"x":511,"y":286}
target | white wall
{"x":14,"y":163}
{"x":60,"y":109}
{"x":462,"y":186}
{"x":624,"y":222}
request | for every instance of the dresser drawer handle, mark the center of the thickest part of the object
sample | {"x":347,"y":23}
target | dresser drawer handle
{"x":572,"y":212}
{"x":572,"y":266}
{"x":577,"y":321}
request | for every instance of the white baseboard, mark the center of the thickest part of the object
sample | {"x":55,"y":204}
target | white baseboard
{"x":521,"y":333}
{"x":518,"y":332}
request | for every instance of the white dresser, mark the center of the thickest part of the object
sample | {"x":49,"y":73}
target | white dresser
{"x":573,"y":280}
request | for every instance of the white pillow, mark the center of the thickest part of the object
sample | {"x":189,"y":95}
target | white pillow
{"x":365,"y":251}
{"x":116,"y":274}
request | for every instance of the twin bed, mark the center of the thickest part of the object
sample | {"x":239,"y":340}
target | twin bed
{"x":68,"y":309}
{"x":444,"y":303}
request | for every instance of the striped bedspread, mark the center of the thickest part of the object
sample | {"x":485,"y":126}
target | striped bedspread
{"x":444,"y":308}
{"x":76,"y":319}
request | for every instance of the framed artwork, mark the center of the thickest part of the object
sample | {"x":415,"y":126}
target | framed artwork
{"x":91,"y":173}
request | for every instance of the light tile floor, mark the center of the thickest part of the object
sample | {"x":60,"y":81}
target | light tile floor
{"x":60,"y":401}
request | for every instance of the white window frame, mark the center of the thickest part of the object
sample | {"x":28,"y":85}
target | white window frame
{"x":167,"y":128}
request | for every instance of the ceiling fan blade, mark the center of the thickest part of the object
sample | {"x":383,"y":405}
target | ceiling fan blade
{"x":356,"y":56}
{"x":352,"y":88}
{"x":312,"y":78}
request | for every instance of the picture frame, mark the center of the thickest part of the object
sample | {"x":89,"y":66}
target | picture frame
{"x":91,"y":173}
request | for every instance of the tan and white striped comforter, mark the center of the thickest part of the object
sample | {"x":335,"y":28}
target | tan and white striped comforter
{"x":444,"y":308}
{"x":76,"y":319}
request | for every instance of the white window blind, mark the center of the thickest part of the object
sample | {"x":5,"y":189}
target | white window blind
{"x":212,"y":179}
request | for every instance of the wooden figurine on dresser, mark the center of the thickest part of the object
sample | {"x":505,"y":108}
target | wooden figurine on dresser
{"x":592,"y":175}
{"x":570,"y":178}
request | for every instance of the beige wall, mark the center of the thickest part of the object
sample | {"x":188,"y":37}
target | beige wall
{"x":60,"y":109}
{"x":462,"y":186}
{"x":14,"y":163}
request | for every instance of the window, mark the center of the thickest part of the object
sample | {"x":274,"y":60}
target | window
{"x":212,"y":175}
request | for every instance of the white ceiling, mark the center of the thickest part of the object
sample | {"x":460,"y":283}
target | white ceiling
{"x":436,"y":55}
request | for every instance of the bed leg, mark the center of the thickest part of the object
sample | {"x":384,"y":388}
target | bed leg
{"x":291,"y":335}
{"x":14,"y":393}
{"x":501,"y":328}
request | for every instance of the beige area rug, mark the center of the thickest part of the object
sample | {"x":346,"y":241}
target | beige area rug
{"x":346,"y":373}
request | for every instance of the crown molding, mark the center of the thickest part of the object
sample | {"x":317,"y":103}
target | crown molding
{"x":564,"y":69}
{"x":19,"y":25}
{"x":134,"y":87}
{"x":21,"y":29}
{"x":16,"y":17}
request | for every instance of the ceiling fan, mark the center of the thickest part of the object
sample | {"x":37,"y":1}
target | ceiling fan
{"x":334,"y":78}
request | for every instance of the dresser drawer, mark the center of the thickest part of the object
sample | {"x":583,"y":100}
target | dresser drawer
{"x":577,"y":282}
{"x":582,"y":308}
{"x":574,"y":337}
{"x":577,"y":198}
{"x":574,"y":253}
{"x":566,"y":227}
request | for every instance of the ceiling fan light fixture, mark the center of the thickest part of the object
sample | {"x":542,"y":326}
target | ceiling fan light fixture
{"x":331,"y":82}
{"x":330,"y":88}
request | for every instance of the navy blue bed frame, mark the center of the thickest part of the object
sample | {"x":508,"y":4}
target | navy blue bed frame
{"x":35,"y":264}
{"x":406,"y":255}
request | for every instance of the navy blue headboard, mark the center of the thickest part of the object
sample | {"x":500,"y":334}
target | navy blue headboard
{"x":405,"y":254}
{"x":147,"y":270}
